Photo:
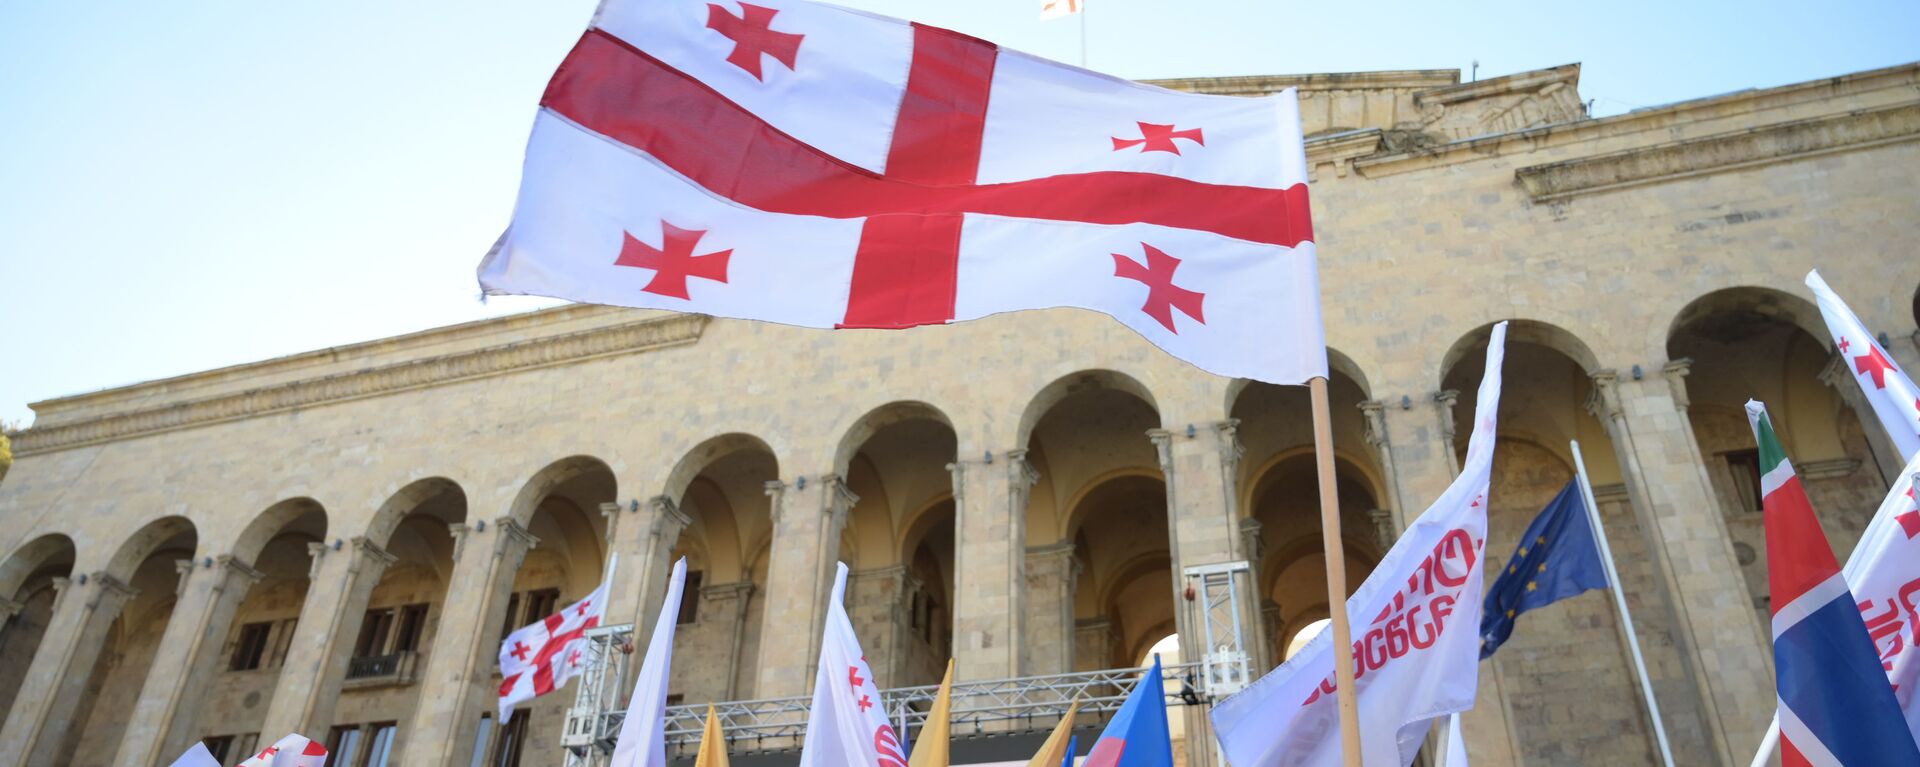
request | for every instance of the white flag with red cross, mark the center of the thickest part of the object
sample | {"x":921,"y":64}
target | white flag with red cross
{"x":1054,"y":9}
{"x":293,"y":750}
{"x":806,"y":164}
{"x":848,"y":722}
{"x":1895,"y":399}
{"x":539,"y":658}
{"x":1416,"y":634}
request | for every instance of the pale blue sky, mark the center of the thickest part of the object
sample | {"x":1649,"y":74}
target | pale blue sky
{"x":191,"y":185}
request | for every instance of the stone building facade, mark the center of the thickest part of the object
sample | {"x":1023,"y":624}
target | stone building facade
{"x":333,"y":542}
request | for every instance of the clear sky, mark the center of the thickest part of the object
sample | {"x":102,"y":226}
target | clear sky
{"x":186,"y":186}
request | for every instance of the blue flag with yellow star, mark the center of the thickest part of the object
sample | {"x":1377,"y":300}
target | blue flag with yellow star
{"x":1557,"y":558}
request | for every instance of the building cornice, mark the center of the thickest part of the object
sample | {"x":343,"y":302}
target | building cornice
{"x":1721,"y":152}
{"x":1901,"y":80}
{"x":1261,"y":85}
{"x":642,"y":335}
{"x":1566,"y":74}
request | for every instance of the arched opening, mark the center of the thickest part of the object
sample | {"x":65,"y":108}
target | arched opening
{"x":1168,"y":650}
{"x":1758,"y":343}
{"x":1544,"y":405}
{"x":390,"y":628}
{"x":729,"y":531}
{"x":150,"y":563}
{"x":899,"y":541}
{"x":561,"y":506}
{"x":1279,"y":499}
{"x":1100,"y":564}
{"x":1302,"y":636}
{"x":276,"y":545}
{"x":28,"y":579}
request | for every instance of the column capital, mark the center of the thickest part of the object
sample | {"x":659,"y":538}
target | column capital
{"x":106,"y":586}
{"x":1023,"y":469}
{"x":1163,"y":446}
{"x":509,"y":530}
{"x":840,"y":497}
{"x":1373,"y":415}
{"x":183,"y":567}
{"x":231,"y":566}
{"x":1676,"y":373}
{"x":666,"y":511}
{"x":1383,"y":527}
{"x":1252,"y":539}
{"x":366,"y":553}
{"x":1604,"y":401}
{"x":724,"y":591}
{"x":10,"y":608}
{"x":1445,"y":400}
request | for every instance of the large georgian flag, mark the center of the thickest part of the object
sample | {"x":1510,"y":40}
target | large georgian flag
{"x":1895,"y":400}
{"x":1836,"y":707}
{"x":805,"y":164}
{"x":1415,"y":643}
{"x":540,"y":658}
{"x":847,"y":725}
{"x":294,"y":750}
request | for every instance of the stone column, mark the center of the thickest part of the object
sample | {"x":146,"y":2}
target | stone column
{"x":1052,"y":575}
{"x":1836,"y":374}
{"x":738,"y":595}
{"x":1718,"y":635}
{"x":457,"y":684}
{"x":807,"y":517}
{"x":1384,"y":531}
{"x":1374,"y":414}
{"x":83,"y":611}
{"x":644,"y":536}
{"x":162,"y":723}
{"x":1093,"y":643}
{"x":339,"y":584}
{"x":990,"y":549}
{"x":1445,"y":401}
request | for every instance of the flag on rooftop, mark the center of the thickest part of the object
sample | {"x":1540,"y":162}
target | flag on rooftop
{"x":643,"y":733}
{"x":1414,"y":663}
{"x":1836,"y":707}
{"x":1895,"y":399}
{"x":811,"y":165}
{"x":1557,"y":558}
{"x":847,"y":723}
{"x":542,"y":657}
{"x":1138,"y":735}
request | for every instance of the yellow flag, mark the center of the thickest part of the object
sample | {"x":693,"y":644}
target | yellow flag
{"x":930,"y":749}
{"x":713,"y":745}
{"x":6,"y":455}
{"x":1054,"y":750}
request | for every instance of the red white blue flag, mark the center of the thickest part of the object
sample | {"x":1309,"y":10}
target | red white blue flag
{"x":1836,"y":707}
{"x":800,"y":163}
{"x":1138,"y":736}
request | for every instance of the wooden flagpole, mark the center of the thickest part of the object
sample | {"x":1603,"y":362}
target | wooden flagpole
{"x":1335,"y":554}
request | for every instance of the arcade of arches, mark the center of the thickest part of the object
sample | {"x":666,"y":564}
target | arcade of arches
{"x":334,"y":543}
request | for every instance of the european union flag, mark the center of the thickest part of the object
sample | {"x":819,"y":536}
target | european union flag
{"x":1557,"y":559}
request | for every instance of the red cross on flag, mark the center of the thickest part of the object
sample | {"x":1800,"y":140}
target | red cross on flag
{"x":540,"y":658}
{"x":1895,"y":399}
{"x":848,"y":723}
{"x":293,"y":750}
{"x":810,"y":165}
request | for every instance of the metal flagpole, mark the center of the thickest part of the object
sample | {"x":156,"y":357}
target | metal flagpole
{"x":1620,"y":603}
{"x":1083,"y":34}
{"x":1335,"y":555}
{"x":1769,"y":743}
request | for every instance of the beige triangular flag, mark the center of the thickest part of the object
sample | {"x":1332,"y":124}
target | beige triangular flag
{"x":1054,"y":750}
{"x":930,"y":749}
{"x":713,"y":745}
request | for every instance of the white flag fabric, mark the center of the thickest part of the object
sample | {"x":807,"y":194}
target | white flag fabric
{"x":293,"y":750}
{"x":643,"y":734}
{"x":806,"y":164}
{"x":1456,"y":744}
{"x":848,"y":722}
{"x":1416,"y":642}
{"x":198,"y":756}
{"x":1883,"y":573}
{"x":1895,"y":400}
{"x":1054,"y":9}
{"x":540,"y":658}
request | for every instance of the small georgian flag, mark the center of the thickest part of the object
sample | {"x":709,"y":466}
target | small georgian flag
{"x":1053,"y":9}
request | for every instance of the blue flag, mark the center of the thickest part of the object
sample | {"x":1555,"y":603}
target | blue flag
{"x":1137,"y":736}
{"x":1557,"y":558}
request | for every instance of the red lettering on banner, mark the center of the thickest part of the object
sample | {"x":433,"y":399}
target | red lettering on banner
{"x":888,"y":746}
{"x":1401,"y":629}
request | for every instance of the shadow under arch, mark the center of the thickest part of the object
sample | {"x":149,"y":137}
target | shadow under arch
{"x":413,"y":497}
{"x":1747,"y":305}
{"x":1074,"y":383}
{"x":548,"y":479}
{"x":1338,"y":364}
{"x":866,"y":426}
{"x":1473,"y":346}
{"x":704,"y":454}
{"x":49,"y":550}
{"x":307,"y":512}
{"x":151,"y":537}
